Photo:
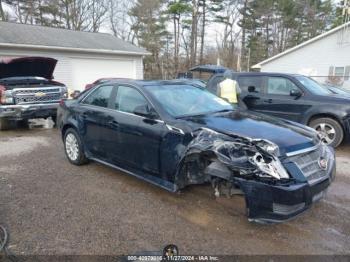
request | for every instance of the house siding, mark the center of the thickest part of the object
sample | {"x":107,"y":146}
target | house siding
{"x":314,"y":59}
{"x":139,"y":68}
{"x":63,"y":70}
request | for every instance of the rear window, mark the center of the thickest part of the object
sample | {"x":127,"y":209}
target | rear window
{"x":252,"y":83}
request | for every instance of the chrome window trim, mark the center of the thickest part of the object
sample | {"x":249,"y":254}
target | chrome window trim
{"x":115,"y":110}
{"x":302,"y":151}
{"x":116,"y":85}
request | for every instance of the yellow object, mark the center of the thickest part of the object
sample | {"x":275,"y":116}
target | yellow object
{"x":228,"y":90}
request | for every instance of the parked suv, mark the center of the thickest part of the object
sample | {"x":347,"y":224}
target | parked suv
{"x":27,"y":89}
{"x":294,"y":97}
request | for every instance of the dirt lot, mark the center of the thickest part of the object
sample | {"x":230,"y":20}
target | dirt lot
{"x":53,"y":207}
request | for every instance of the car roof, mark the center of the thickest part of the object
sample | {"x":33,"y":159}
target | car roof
{"x":264,"y":74}
{"x":145,"y":83}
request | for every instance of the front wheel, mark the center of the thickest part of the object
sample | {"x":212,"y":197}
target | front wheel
{"x":74,"y":148}
{"x":330,"y":130}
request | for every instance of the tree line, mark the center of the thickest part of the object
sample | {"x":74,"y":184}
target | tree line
{"x":182,"y":33}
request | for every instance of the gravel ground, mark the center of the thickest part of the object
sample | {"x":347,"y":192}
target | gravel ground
{"x":53,"y":207}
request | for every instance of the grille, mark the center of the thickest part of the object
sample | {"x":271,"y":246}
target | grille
{"x":32,"y":91}
{"x":286,"y":210}
{"x":30,"y":95}
{"x":308,"y":163}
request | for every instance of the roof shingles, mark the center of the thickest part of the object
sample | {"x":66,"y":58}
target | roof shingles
{"x":22,"y":34}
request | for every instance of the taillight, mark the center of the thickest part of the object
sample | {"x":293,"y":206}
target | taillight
{"x":5,"y":95}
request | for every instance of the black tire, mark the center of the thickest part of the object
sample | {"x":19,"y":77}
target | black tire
{"x":4,"y":124}
{"x":330,"y":129}
{"x":23,"y":123}
{"x":79,"y":158}
{"x":54,"y":120}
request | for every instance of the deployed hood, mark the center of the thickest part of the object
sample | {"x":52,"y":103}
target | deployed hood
{"x":287,"y":135}
{"x":27,"y":66}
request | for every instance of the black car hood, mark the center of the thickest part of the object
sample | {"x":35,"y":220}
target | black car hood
{"x":27,"y":66}
{"x":289,"y":136}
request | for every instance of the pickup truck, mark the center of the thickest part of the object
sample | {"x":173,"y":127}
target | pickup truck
{"x":27,"y":90}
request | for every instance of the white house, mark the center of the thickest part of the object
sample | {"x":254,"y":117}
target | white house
{"x":326,"y":58}
{"x":83,"y":57}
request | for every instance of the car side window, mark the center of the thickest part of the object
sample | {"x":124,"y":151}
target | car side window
{"x":213,"y":88}
{"x":280,"y":86}
{"x":251,"y":84}
{"x":99,"y":97}
{"x":128,"y":99}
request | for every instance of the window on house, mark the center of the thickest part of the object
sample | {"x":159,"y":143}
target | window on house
{"x":339,"y":71}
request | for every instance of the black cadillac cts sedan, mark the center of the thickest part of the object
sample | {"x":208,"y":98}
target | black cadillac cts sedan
{"x":174,"y":133}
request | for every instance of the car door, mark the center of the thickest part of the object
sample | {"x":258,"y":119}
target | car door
{"x":95,"y":118}
{"x":283,"y":98}
{"x":137,"y":138}
{"x":252,"y":88}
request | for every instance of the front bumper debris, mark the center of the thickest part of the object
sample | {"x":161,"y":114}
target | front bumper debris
{"x":20,"y":112}
{"x":271,"y":203}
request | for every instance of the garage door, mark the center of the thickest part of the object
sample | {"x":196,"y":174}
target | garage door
{"x":85,"y":71}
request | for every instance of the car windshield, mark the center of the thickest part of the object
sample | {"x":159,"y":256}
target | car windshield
{"x":313,"y":86}
{"x":187,"y":100}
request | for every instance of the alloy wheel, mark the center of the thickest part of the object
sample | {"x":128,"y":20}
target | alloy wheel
{"x":327,"y":132}
{"x":72,"y":147}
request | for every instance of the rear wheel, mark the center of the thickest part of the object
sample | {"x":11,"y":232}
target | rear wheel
{"x":330,"y":130}
{"x":74,"y":148}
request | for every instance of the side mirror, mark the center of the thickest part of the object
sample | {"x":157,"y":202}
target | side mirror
{"x":144,"y":111}
{"x":295,"y":93}
{"x":251,"y":89}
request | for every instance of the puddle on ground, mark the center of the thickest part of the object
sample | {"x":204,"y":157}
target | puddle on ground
{"x":15,"y":146}
{"x":14,"y":142}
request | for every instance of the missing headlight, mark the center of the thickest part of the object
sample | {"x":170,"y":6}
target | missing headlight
{"x":269,"y":166}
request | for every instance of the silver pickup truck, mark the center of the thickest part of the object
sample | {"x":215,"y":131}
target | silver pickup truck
{"x":27,"y":89}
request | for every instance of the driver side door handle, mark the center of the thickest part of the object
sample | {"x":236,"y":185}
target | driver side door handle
{"x":113,"y":124}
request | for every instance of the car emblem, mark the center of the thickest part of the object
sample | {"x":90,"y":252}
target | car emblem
{"x":323,"y":163}
{"x":39,"y":94}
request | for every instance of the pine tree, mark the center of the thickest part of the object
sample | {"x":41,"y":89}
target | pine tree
{"x":151,"y":33}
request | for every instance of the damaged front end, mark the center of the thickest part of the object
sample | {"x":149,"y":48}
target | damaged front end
{"x":274,"y":186}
